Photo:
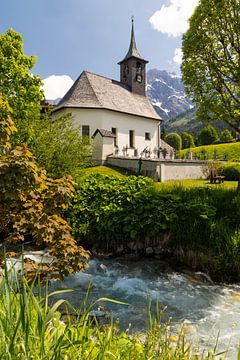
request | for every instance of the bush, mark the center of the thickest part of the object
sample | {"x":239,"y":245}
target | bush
{"x":231,"y":171}
{"x":226,"y":136}
{"x":174,"y":140}
{"x":108,"y":210}
{"x":31,"y":205}
{"x":102,"y":204}
{"x":187,"y":140}
{"x":208,"y":135}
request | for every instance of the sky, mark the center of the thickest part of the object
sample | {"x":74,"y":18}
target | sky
{"x":69,"y":36}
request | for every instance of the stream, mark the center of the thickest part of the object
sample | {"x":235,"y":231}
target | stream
{"x":207,"y":310}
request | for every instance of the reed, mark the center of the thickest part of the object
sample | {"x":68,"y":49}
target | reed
{"x":31,"y":328}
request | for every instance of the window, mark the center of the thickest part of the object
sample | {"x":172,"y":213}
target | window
{"x":131,"y":138}
{"x":147,"y":136}
{"x":85,"y":130}
{"x":114,"y":131}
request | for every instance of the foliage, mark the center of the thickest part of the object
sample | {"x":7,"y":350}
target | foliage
{"x":214,"y":167}
{"x":59,"y":147}
{"x":108,"y":211}
{"x":208,"y":135}
{"x":230,"y":152}
{"x":231,"y":171}
{"x":174,"y":140}
{"x":211,"y":56}
{"x":101,"y":207}
{"x":31,"y":204}
{"x":18,"y":85}
{"x":32,"y":328}
{"x":226,"y":136}
{"x":187,"y":140}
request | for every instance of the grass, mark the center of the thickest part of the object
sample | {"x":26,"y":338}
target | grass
{"x":168,"y":184}
{"x":232,"y":150}
{"x":31,"y":328}
{"x":195,"y":184}
{"x":105,"y":170}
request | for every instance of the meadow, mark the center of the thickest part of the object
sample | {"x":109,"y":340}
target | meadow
{"x":229,"y":152}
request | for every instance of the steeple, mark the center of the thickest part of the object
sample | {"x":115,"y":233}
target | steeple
{"x":133,"y":68}
{"x":132,"y":51}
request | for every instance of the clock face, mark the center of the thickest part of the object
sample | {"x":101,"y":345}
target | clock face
{"x":139,"y":78}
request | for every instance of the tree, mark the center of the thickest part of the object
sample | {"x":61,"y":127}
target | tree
{"x":174,"y":140}
{"x":31,"y":205}
{"x":208,"y":135}
{"x":226,"y":136}
{"x":59,"y":147}
{"x":187,"y":140}
{"x":18,"y":86}
{"x":211,"y":58}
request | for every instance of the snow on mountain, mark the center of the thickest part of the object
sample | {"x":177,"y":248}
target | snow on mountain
{"x":166,"y":93}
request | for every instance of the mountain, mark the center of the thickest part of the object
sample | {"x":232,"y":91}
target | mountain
{"x":166,"y":93}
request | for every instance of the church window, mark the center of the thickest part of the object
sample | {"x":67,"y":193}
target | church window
{"x":147,"y":136}
{"x":131,"y":138}
{"x":139,"y":67}
{"x":114,"y":131}
{"x":85,"y":130}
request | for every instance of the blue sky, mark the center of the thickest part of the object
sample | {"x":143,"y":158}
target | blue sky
{"x":69,"y":36}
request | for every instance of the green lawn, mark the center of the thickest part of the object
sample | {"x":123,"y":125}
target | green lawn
{"x":232,"y":150}
{"x":168,"y":184}
{"x":195,"y":183}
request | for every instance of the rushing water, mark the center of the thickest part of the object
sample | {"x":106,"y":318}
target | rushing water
{"x":206,"y":309}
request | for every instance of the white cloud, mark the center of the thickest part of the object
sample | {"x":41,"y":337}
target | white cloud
{"x":178,"y":54}
{"x":56,"y":86}
{"x":173,"y":19}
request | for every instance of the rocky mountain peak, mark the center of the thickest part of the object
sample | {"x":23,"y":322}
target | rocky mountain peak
{"x":166,"y":92}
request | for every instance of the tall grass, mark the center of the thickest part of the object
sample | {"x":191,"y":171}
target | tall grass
{"x":31,"y":328}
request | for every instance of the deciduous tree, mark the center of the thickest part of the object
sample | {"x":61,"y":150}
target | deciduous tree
{"x":31,"y":204}
{"x":174,"y":140}
{"x":226,"y":136}
{"x":208,"y":135}
{"x":18,"y":85}
{"x":187,"y":140}
{"x":59,"y":147}
{"x":211,"y":61}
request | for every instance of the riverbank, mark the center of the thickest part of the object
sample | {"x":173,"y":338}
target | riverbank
{"x":198,"y":226}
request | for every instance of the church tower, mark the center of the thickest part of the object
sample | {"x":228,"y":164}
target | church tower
{"x":133,"y":68}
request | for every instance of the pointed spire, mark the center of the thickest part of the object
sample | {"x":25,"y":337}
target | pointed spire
{"x":132,"y":51}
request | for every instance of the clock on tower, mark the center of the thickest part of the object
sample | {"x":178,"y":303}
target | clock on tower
{"x":133,"y":68}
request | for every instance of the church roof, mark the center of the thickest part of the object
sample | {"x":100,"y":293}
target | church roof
{"x":104,"y":133}
{"x":133,"y":51}
{"x":98,"y":92}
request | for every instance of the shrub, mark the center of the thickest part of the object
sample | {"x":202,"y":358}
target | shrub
{"x":226,"y":136}
{"x":31,"y":204}
{"x":187,"y":140}
{"x":208,"y":135}
{"x":231,"y":171}
{"x":108,"y":210}
{"x":174,"y":140}
{"x":102,"y":203}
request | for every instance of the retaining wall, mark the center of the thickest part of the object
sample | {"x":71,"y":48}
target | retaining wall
{"x":160,"y":170}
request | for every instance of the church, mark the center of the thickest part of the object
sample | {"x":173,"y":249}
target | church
{"x":116,"y":115}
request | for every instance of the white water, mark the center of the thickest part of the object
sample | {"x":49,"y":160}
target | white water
{"x":204,"y":308}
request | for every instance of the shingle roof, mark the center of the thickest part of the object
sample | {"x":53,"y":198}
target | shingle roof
{"x":104,"y":133}
{"x":95,"y":91}
{"x":166,"y":146}
{"x":133,"y":51}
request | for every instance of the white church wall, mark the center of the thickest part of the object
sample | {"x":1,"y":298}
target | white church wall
{"x":105,"y":119}
{"x":124,"y":123}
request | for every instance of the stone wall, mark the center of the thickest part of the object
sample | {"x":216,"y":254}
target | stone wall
{"x":160,"y":170}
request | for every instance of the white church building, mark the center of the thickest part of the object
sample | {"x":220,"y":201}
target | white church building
{"x":116,"y":115}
